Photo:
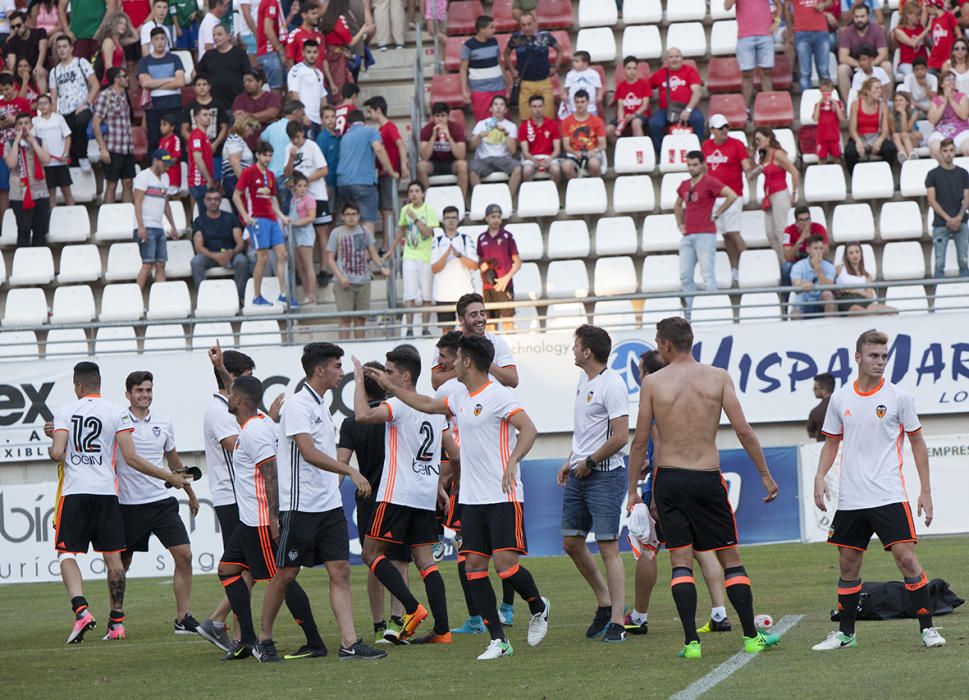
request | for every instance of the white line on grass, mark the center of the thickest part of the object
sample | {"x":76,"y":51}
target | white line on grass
{"x":731,"y":665}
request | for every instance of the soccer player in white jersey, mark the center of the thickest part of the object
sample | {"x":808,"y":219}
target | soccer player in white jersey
{"x":410,"y":487}
{"x":594,"y":477}
{"x":147,"y":507}
{"x":313,"y":527}
{"x":86,"y":434}
{"x":492,"y":498}
{"x":869,"y":418}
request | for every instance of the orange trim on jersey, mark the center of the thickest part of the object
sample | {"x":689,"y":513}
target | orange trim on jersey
{"x":125,"y":430}
{"x":519,"y":526}
{"x":262,"y":502}
{"x":901,"y":477}
{"x":834,"y":436}
{"x":736,"y":580}
{"x":874,"y":391}
{"x":61,"y":430}
{"x":391,"y":463}
{"x":268,"y":459}
{"x":475,"y":575}
{"x":390,"y":411}
{"x":849,"y":590}
{"x":91,"y":396}
{"x":911,"y":520}
{"x":517,"y":410}
{"x":251,"y":418}
{"x":508,"y":573}
{"x":480,"y":389}
{"x":461,"y":558}
{"x":507,"y":366}
{"x":913,"y":432}
{"x":682,"y":579}
{"x":373,"y":564}
{"x":268,"y":552}
{"x":846,"y":546}
{"x":429,"y":570}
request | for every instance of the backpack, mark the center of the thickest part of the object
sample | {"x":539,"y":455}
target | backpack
{"x":888,"y":600}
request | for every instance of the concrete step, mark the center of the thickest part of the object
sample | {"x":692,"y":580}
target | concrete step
{"x":396,"y":65}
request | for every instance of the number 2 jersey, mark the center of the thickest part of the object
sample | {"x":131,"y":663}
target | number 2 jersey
{"x":92,"y":423}
{"x":412,"y":456}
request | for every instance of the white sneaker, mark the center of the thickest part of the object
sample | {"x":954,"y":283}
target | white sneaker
{"x":932,"y":638}
{"x":538,"y":625}
{"x":836,"y":640}
{"x":496,"y":649}
{"x":85,"y":164}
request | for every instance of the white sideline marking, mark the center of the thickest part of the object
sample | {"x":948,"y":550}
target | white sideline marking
{"x":731,"y":665}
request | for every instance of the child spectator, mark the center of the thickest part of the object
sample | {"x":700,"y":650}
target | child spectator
{"x":55,"y":136}
{"x":200,"y":162}
{"x":583,"y":140}
{"x":944,"y":29}
{"x":829,"y":113}
{"x":904,"y":134}
{"x":302,"y":214}
{"x":581,"y":77}
{"x":329,"y":143}
{"x":921,"y":85}
{"x":632,"y":103}
{"x":911,"y":37}
{"x":416,"y":230}
{"x":171,"y":142}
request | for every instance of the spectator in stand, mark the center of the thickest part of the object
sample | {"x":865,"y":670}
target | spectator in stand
{"x":211,"y":20}
{"x":31,"y":44}
{"x":264,"y":106}
{"x":247,"y":28}
{"x":532,"y":68}
{"x":829,"y":114}
{"x":541,"y":143}
{"x":415,"y":230}
{"x":495,"y":145}
{"x":391,"y":23}
{"x":43,"y":15}
{"x":185,"y":17}
{"x":696,"y":218}
{"x":25,"y":84}
{"x":823,"y":388}
{"x":867,"y":70}
{"x":170,"y":141}
{"x":454,"y":257}
{"x":581,"y":77}
{"x":944,"y":30}
{"x":201,"y":164}
{"x":340,"y":42}
{"x":756,"y":22}
{"x":520,"y":7}
{"x":947,"y":190}
{"x":910,"y":35}
{"x":309,"y":13}
{"x":444,"y":149}
{"x":396,"y":152}
{"x":795,"y":241}
{"x":348,"y":103}
{"x":236,"y":154}
{"x":905,"y":135}
{"x":11,"y":105}
{"x":499,"y":262}
{"x":349,"y":252}
{"x":305,"y":83}
{"x":113,"y":36}
{"x":302,"y":214}
{"x":85,"y":18}
{"x":159,"y":20}
{"x":861,"y":32}
{"x":679,"y":93}
{"x":869,"y":124}
{"x":632,"y":103}
{"x":55,"y":136}
{"x":436,"y":10}
{"x":775,"y":165}
{"x":482,"y":71}
{"x":958,"y":63}
{"x":219,"y":119}
{"x":812,"y":42}
{"x":356,"y":176}
{"x":329,"y":144}
{"x":162,"y":74}
{"x":583,"y":140}
{"x":217,"y":238}
{"x":873,"y":6}
{"x":116,"y":146}
{"x":727,"y":161}
{"x":226,"y":65}
{"x":270,"y":35}
{"x":25,"y":158}
{"x":806,"y":275}
{"x":73,"y":87}
{"x":855,"y":293}
{"x":359,"y":22}
{"x":921,"y":85}
{"x":151,"y":205}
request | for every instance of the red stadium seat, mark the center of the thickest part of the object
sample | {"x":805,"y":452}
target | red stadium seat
{"x":642,"y":72}
{"x":452,"y":53}
{"x":501,"y":11}
{"x":457,"y":116}
{"x":773,"y":109}
{"x":732,"y":107}
{"x":140,"y":138}
{"x":554,"y":14}
{"x":723,"y":74}
{"x":188,"y":96}
{"x":781,"y":75}
{"x":447,"y":89}
{"x":462,"y":15}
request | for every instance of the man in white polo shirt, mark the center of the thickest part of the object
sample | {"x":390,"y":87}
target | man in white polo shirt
{"x":454,"y":263}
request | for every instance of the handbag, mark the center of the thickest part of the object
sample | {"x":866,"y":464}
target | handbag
{"x":673,"y":109}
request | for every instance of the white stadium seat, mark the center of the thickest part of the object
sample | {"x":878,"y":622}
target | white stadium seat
{"x":124,"y":262}
{"x":660,"y":233}
{"x":614,"y":276}
{"x":3,"y":270}
{"x":712,"y":308}
{"x":951,"y":296}
{"x":565,"y":317}
{"x":18,"y":345}
{"x":721,"y":272}
{"x":718,"y":11}
{"x":825,"y":183}
{"x":598,"y":41}
{"x":723,"y":38}
{"x":84,"y":187}
{"x":759,"y":268}
{"x":753,"y":228}
{"x":490,"y":193}
{"x":121,"y":302}
{"x":528,"y":282}
{"x":613,"y":314}
{"x":526,"y":320}
{"x":951,"y":266}
{"x":912,"y":178}
{"x":633,"y":193}
{"x":616,"y":235}
{"x":167,"y":337}
{"x":867,"y":254}
{"x":528,"y":238}
{"x":787,"y":140}
{"x":689,"y":37}
{"x":69,"y":225}
{"x":178,"y":214}
{"x":116,"y":222}
{"x":872,"y":181}
{"x":654,"y":310}
{"x":586,"y":195}
{"x":270,"y":291}
{"x":188,"y":64}
{"x":642,"y":41}
{"x":899,"y":220}
{"x":66,"y":341}
{"x":204,"y":335}
{"x":667,"y":190}
{"x":907,"y":297}
{"x":73,"y":304}
{"x":169,"y":300}
{"x":817,"y":216}
{"x":661,"y":273}
{"x":79,"y":263}
{"x":685,"y":10}
{"x":672,"y":153}
{"x":440,"y":197}
{"x":8,"y":230}
{"x":538,"y":198}
{"x":642,"y":11}
{"x":635,"y":154}
{"x":566,"y":278}
{"x":852,"y":222}
{"x":595,"y":13}
{"x":254,"y":333}
{"x":180,"y":254}
{"x":761,"y":306}
{"x":32,"y":266}
{"x":25,"y":307}
{"x":217,"y":298}
{"x":568,"y":239}
{"x":115,"y":339}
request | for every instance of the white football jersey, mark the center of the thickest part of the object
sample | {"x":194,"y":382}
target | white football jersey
{"x":597,"y":402}
{"x":487,"y":441}
{"x":302,"y":486}
{"x":89,"y":461}
{"x":503,"y":356}
{"x":412,"y":456}
{"x":256,"y":446}
{"x":872,"y":426}
{"x":153,"y":436}
{"x":217,"y":425}
{"x":448,"y":388}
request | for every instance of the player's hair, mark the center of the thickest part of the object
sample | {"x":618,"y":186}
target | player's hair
{"x":316,"y":354}
{"x":467,"y":300}
{"x":136,"y":378}
{"x":871,"y":337}
{"x":826,"y":381}
{"x":482,"y":22}
{"x":450,"y":341}
{"x":294,"y":128}
{"x":652,"y":361}
{"x":250,"y":389}
{"x":595,"y":340}
{"x":479,"y":349}
{"x":677,"y":331}
{"x":377,"y":102}
{"x":235,"y":364}
{"x":696,"y":155}
{"x":88,"y":375}
{"x":374,"y":391}
{"x":311,"y":42}
{"x":349,"y":90}
{"x":406,"y":359}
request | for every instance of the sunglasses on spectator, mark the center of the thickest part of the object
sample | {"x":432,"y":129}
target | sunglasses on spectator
{"x":803,"y":220}
{"x":17,"y":26}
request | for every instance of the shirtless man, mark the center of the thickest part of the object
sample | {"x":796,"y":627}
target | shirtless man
{"x":689,"y":493}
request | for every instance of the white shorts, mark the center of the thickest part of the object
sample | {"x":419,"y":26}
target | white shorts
{"x":729,"y":221}
{"x":417,"y":280}
{"x":958,"y":140}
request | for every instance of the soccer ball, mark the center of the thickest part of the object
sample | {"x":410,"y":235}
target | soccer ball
{"x":763,"y":622}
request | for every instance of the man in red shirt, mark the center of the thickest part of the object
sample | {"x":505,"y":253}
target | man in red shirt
{"x":200,"y":165}
{"x":679,"y":93}
{"x":944,"y":30}
{"x":444,"y":149}
{"x":795,"y":241}
{"x":498,"y":261}
{"x":696,"y":219}
{"x":376,"y":108}
{"x":583,"y":139}
{"x":812,"y":42}
{"x":727,"y":160}
{"x":270,"y":37}
{"x":10,"y":106}
{"x":539,"y":141}
{"x":632,"y":103}
{"x":349,"y":93}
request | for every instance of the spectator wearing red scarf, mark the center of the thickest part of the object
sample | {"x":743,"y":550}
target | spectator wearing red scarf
{"x":29,"y":196}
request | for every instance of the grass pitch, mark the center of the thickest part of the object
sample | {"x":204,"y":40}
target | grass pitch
{"x":788,"y":580}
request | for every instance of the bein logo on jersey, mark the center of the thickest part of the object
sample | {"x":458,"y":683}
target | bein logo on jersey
{"x":625,"y":362}
{"x":881,"y":410}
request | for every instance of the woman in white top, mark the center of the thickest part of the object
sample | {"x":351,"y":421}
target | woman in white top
{"x":236,"y":154}
{"x":854,"y":295}
{"x":958,"y":63}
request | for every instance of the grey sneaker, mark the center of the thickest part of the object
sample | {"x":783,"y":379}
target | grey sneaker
{"x":217,"y":635}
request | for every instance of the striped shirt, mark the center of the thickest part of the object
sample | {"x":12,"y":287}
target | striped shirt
{"x":484,"y":69}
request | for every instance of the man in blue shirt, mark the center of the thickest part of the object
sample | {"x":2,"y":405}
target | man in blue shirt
{"x":532,"y":65}
{"x":807,"y":274}
{"x":356,"y":173}
{"x":275,"y":135}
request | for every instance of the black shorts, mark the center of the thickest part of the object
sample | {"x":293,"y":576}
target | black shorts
{"x":892,"y":523}
{"x":365,"y":511}
{"x":252,"y":548}
{"x":398,"y":524}
{"x":442,"y":167}
{"x":160,"y":519}
{"x":453,"y":517}
{"x":323,"y":215}
{"x":493,"y":296}
{"x":228,"y":517}
{"x":121,"y":167}
{"x":693,"y":509}
{"x":84,"y":519}
{"x":309,"y":539}
{"x":493,"y":527}
{"x":58,"y":176}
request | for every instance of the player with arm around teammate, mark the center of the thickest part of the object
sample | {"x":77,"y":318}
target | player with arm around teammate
{"x":473,"y":320}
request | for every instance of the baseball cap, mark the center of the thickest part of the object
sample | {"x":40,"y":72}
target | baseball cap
{"x":718,"y":121}
{"x":163,"y":155}
{"x":492,"y":209}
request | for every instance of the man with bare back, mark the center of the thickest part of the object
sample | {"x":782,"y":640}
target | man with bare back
{"x":689,"y":494}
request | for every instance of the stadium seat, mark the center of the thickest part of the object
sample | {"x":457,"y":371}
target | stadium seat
{"x":773,"y":109}
{"x":270,"y":290}
{"x":614,"y":276}
{"x":723,"y":38}
{"x":753,"y":227}
{"x":912,"y":178}
{"x":255,"y":333}
{"x":660,"y":233}
{"x":598,"y":41}
{"x":907,"y":298}
{"x":554,"y":14}
{"x":139,"y":139}
{"x":3,"y":270}
{"x":66,"y":341}
{"x":528,"y":238}
{"x":825,"y":183}
{"x":899,"y":220}
{"x":178,"y":214}
{"x":661,"y":273}
{"x":84,"y":187}
{"x":635,"y":154}
{"x":501,"y":11}
{"x":490,"y":193}
{"x":452,"y":53}
{"x":595,"y":13}
{"x":124,"y":262}
{"x":528,"y":282}
{"x":73,"y":304}
{"x":538,"y":198}
{"x":655,"y":310}
{"x":565,"y":279}
{"x":204,"y":335}
{"x":762,"y":306}
{"x":69,"y":225}
{"x":951,"y":296}
{"x":462,"y":15}
{"x":8,"y":233}
{"x":616,"y":235}
{"x":618,"y":313}
{"x":169,"y":300}
{"x":116,"y":222}
{"x":685,"y":10}
{"x":166,"y":337}
{"x":121,"y":302}
{"x":781,"y":74}
{"x":217,"y":298}
{"x":633,"y":193}
{"x":715,"y":308}
{"x":667,"y":190}
{"x":867,"y":254}
{"x":565,"y":317}
{"x":718,"y":11}
{"x":902,"y":260}
{"x":18,"y":345}
{"x":25,"y":307}
{"x":31,"y":266}
{"x":586,"y":195}
{"x":188,"y":63}
{"x":642,"y":12}
{"x":527,"y":321}
{"x":672,"y":153}
{"x":180,"y":254}
{"x":721,"y":272}
{"x":872,"y":181}
{"x":115,"y":339}
{"x":788,"y":142}
{"x":440,"y":197}
{"x":689,"y":37}
{"x":732,"y":106}
{"x":642,"y":41}
{"x":852,"y":222}
{"x":79,"y":263}
{"x":809,"y":98}
{"x":568,"y":239}
{"x":759,"y":268}
{"x":446,"y":88}
{"x":723,"y":75}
